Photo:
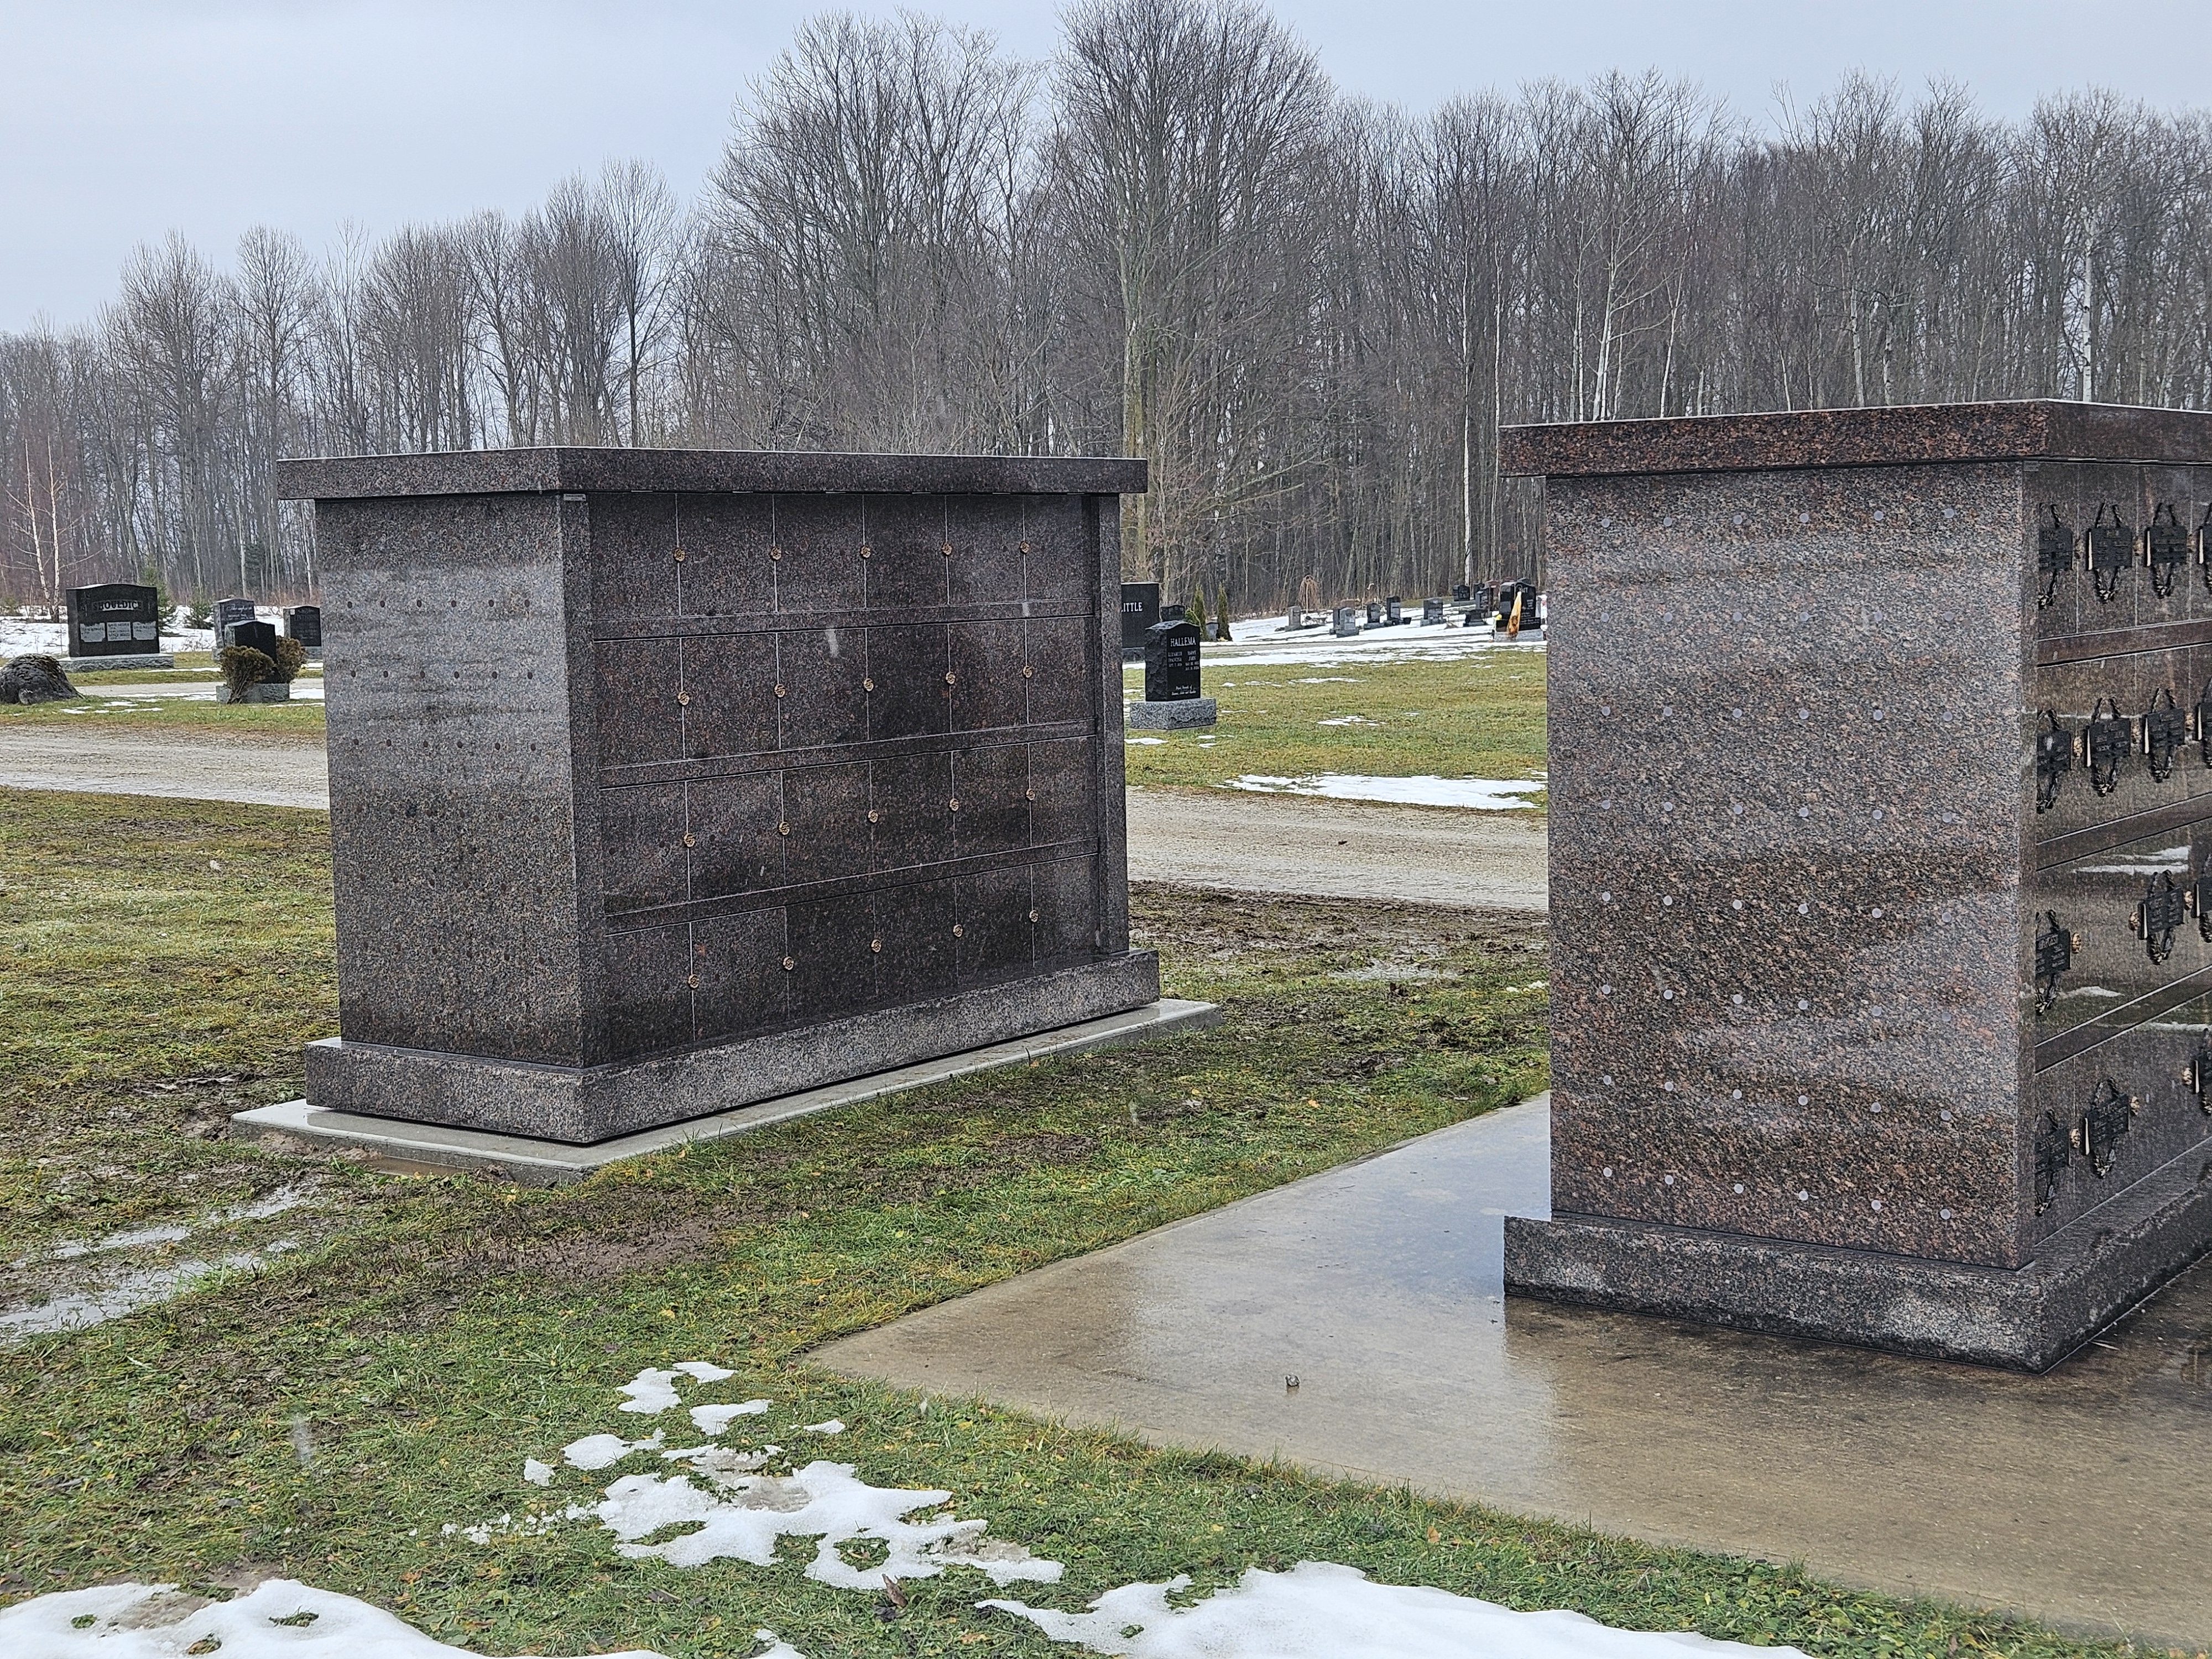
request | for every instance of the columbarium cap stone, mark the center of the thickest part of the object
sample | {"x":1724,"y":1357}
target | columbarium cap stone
{"x":664,"y":782}
{"x":1880,"y":977}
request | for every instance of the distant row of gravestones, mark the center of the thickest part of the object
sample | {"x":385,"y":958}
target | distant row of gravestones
{"x":1141,"y":612}
{"x":123,"y":619}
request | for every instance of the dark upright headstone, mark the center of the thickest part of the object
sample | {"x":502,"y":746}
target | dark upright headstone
{"x":822,"y":778}
{"x":1877,"y":1014}
{"x":227,"y":614}
{"x":253,"y":637}
{"x":1393,"y":610}
{"x":1433,"y":611}
{"x":1346,"y":621}
{"x":115,"y":619}
{"x":1374,"y":614}
{"x":1462,"y":593}
{"x":1140,"y":609}
{"x":304,"y":622}
{"x":1171,"y":672}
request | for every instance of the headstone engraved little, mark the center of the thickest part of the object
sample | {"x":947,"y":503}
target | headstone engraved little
{"x":1173,"y":698}
{"x":304,"y":622}
{"x":228,"y":613}
{"x":1870,"y":1022}
{"x":1432,"y":612}
{"x":1344,"y":623}
{"x":1140,"y":609}
{"x":115,"y":625}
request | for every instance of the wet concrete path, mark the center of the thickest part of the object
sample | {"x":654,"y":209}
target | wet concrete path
{"x":2083,"y":1497}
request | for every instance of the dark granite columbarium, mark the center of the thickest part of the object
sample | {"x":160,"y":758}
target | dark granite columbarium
{"x":663,"y":782}
{"x":1880,"y":871}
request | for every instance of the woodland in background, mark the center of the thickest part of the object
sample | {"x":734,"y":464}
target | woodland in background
{"x":1177,"y":240}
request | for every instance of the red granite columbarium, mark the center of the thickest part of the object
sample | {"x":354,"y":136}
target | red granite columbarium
{"x":1881,"y":871}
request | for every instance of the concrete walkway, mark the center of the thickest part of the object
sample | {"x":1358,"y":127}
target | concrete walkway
{"x":2080,"y":1498}
{"x":1201,"y":838}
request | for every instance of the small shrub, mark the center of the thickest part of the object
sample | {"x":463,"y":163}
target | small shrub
{"x":243,"y":667}
{"x":291,"y":658}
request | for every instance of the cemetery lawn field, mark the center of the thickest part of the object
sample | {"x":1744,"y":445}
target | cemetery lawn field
{"x":182,"y":714}
{"x":1471,"y":717}
{"x":408,"y":1341}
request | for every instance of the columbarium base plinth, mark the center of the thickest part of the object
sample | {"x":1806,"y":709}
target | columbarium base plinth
{"x":664,"y":783}
{"x":1880,"y":871}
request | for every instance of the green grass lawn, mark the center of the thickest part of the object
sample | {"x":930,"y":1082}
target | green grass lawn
{"x":1473,"y":717}
{"x":195,"y":714}
{"x":161,"y":962}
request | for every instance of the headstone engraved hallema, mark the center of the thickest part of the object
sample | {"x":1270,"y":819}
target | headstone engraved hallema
{"x":1880,"y":871}
{"x":1173,"y":697}
{"x":663,"y":782}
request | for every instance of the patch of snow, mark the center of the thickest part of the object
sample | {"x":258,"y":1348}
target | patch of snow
{"x":599,"y":1451}
{"x":1144,"y":740}
{"x":650,"y":1391}
{"x":1319,"y":1610}
{"x":713,"y":1419}
{"x":537,"y":1474}
{"x":1351,"y":720}
{"x":507,"y":1526}
{"x":1328,"y":679}
{"x":280,"y":1619}
{"x":833,"y":1426}
{"x":1479,"y":795}
{"x":824,"y":1500}
{"x":705,"y":1371}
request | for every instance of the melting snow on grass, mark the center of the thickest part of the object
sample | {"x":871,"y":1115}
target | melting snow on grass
{"x":276,"y":1620}
{"x":1319,"y":1610}
{"x":1481,"y":794}
{"x":725,"y":1506}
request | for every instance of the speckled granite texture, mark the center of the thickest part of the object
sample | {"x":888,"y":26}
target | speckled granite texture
{"x":663,"y":782}
{"x":1802,"y":853}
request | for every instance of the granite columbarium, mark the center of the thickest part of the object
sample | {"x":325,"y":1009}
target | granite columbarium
{"x":1881,"y":811}
{"x":666,"y":781}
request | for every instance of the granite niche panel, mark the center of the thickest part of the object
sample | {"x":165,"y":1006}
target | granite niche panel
{"x":1881,"y":871}
{"x":663,"y":781}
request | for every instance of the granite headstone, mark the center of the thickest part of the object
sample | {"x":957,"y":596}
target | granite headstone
{"x":114,"y":619}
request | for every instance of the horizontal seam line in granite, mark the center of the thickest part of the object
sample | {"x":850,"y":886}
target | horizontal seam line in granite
{"x":829,"y":755}
{"x":2121,"y":643}
{"x":867,"y":883}
{"x":2062,"y":850}
{"x":749,"y":623}
{"x":2122,"y":1021}
{"x":1770,"y":1241}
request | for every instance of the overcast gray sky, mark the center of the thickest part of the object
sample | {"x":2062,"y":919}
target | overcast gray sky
{"x":120,"y":120}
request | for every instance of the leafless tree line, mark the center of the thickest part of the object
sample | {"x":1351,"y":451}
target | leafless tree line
{"x":1178,"y":240}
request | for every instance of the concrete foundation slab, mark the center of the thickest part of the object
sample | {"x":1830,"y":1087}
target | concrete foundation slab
{"x":2076,"y":1497}
{"x":547,"y":1162}
{"x":1142,"y":716}
{"x":110,"y":664}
